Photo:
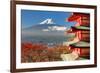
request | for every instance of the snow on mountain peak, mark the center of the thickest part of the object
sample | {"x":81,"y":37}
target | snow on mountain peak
{"x":47,"y":21}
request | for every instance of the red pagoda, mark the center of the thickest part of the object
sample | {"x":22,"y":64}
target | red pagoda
{"x":82,"y":34}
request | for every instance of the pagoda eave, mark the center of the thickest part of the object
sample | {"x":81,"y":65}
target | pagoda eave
{"x":80,"y":44}
{"x":76,"y":28}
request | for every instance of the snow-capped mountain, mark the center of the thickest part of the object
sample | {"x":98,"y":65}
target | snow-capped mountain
{"x":49,"y":25}
{"x":46,"y":27}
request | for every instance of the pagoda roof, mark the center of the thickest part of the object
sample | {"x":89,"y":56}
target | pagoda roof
{"x":80,"y":44}
{"x":73,"y":18}
{"x":81,"y":28}
{"x":76,"y":16}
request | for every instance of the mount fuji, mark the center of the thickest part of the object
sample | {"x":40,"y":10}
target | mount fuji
{"x":46,"y":27}
{"x":46,"y":31}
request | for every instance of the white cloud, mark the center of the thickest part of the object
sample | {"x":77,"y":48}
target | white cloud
{"x":45,"y":30}
{"x":57,"y":28}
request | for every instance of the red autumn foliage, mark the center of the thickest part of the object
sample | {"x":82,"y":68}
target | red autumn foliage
{"x":36,"y":52}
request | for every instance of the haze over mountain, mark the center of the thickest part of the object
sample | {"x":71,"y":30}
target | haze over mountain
{"x":47,"y":32}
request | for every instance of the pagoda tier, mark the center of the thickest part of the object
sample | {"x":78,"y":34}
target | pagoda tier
{"x":77,"y":16}
{"x":83,"y":48}
{"x":82,"y":19}
{"x":82,"y":33}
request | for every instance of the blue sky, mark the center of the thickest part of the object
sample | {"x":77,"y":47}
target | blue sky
{"x":34,"y":17}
